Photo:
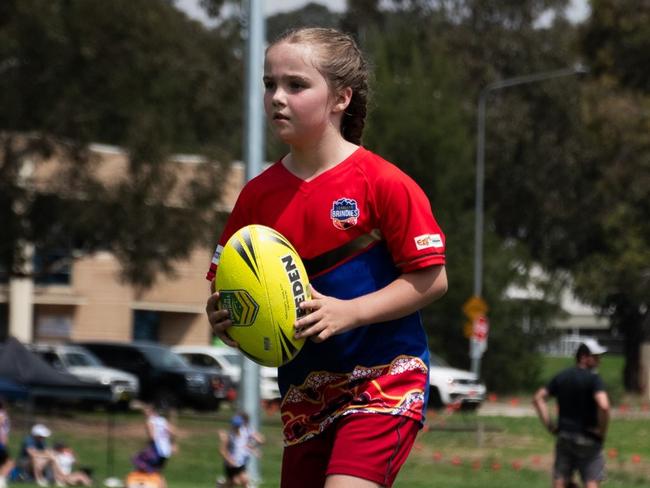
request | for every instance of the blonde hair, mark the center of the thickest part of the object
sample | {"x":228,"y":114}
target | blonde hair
{"x":342,"y":64}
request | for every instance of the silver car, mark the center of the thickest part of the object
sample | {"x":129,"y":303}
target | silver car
{"x":80,"y":362}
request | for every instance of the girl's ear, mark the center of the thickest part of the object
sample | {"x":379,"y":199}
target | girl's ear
{"x":342,"y":99}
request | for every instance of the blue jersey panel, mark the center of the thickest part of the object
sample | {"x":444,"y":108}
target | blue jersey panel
{"x":372,"y":345}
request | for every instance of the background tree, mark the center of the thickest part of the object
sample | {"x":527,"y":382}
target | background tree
{"x":137,"y":74}
{"x":615,"y":271}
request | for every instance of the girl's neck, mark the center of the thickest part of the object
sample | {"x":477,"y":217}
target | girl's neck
{"x":309,"y":162}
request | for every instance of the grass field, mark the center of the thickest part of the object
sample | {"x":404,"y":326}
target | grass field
{"x":456,"y":450}
{"x":511,"y":452}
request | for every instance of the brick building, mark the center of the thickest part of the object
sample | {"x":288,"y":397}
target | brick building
{"x":88,"y":300}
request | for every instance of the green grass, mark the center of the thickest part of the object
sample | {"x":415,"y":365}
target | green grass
{"x":512,"y":452}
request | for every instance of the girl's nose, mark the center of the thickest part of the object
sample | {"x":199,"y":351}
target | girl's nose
{"x":278,"y":98}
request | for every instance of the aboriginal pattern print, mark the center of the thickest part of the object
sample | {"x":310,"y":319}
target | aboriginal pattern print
{"x":393,"y":389}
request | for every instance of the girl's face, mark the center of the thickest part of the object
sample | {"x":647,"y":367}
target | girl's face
{"x":297,"y":98}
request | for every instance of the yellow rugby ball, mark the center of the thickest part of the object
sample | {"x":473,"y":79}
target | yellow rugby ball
{"x":261,"y":281}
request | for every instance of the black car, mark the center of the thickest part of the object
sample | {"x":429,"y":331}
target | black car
{"x":166,"y":379}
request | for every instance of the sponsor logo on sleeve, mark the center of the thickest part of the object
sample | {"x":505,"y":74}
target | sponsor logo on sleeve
{"x":344,"y":213}
{"x":426,"y":241}
{"x":217,"y":255}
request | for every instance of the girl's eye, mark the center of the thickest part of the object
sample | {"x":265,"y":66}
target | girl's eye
{"x":268,"y":85}
{"x":296,"y":85}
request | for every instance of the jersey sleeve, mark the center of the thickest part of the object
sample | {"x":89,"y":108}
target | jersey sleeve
{"x":239,"y":217}
{"x":406,"y":221}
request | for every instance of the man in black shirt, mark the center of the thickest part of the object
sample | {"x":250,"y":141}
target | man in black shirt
{"x":582,"y":419}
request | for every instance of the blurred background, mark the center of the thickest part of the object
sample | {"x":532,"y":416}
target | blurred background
{"x":121,"y":146}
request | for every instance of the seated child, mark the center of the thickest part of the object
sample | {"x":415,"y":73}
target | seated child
{"x":65,"y":460}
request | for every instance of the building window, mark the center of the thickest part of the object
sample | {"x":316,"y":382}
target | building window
{"x":52,"y":267}
{"x":146,"y":325}
{"x":53,"y":326}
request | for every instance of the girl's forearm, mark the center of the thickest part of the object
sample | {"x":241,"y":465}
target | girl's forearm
{"x":408,"y":293}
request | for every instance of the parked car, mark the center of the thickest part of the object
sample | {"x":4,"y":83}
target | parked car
{"x":83,"y":364}
{"x":230,"y":361}
{"x":166,"y":379}
{"x":453,"y":386}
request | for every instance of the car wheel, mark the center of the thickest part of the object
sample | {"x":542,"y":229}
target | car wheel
{"x":122,"y":406}
{"x":210,"y":406}
{"x":434,"y":398}
{"x":166,"y":400}
{"x":470,"y":406}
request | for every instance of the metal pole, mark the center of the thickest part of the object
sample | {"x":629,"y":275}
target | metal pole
{"x":480,"y":184}
{"x":254,"y":116}
{"x":253,"y":156}
{"x":475,"y":356}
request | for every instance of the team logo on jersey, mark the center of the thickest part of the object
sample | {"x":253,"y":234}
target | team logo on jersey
{"x":344,"y":213}
{"x":428,"y":240}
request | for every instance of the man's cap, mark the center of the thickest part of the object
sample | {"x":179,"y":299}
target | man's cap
{"x":39,"y":430}
{"x":591,"y":346}
{"x":237,"y":421}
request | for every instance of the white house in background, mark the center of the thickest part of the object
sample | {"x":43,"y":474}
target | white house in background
{"x":580,"y":320}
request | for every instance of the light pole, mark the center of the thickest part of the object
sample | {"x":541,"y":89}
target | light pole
{"x":480,"y":173}
{"x":253,"y":155}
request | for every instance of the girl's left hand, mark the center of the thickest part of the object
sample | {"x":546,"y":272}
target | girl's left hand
{"x":326,"y":316}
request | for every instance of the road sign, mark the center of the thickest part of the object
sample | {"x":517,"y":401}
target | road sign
{"x":480,"y":329}
{"x":468,"y":329}
{"x":474,"y":307}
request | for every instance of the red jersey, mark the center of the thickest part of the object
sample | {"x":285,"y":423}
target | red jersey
{"x":357,"y":227}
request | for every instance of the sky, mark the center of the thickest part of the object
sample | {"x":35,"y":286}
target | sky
{"x":577,"y":12}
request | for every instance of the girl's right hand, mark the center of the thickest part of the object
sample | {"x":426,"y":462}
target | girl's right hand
{"x":219,"y":319}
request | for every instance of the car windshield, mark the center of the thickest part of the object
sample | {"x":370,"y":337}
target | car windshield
{"x":164,"y":358}
{"x":438,"y":361}
{"x":81,"y":358}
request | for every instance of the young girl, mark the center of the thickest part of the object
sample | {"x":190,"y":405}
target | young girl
{"x":161,"y":445}
{"x":236,"y":446}
{"x":354,"y":397}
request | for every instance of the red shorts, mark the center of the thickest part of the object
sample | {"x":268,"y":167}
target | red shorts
{"x":368,"y":446}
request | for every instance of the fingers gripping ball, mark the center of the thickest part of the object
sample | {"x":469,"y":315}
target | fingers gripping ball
{"x":261,"y":281}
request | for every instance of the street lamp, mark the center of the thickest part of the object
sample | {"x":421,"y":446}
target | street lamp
{"x":480,"y":170}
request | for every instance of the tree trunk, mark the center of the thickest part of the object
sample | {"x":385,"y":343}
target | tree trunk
{"x":645,"y":358}
{"x":631,"y":322}
{"x":632,"y":349}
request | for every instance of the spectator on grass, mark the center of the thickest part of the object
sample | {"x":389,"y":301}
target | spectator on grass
{"x":582,"y":419}
{"x":37,"y":459}
{"x":6,"y":463}
{"x":66,"y":459}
